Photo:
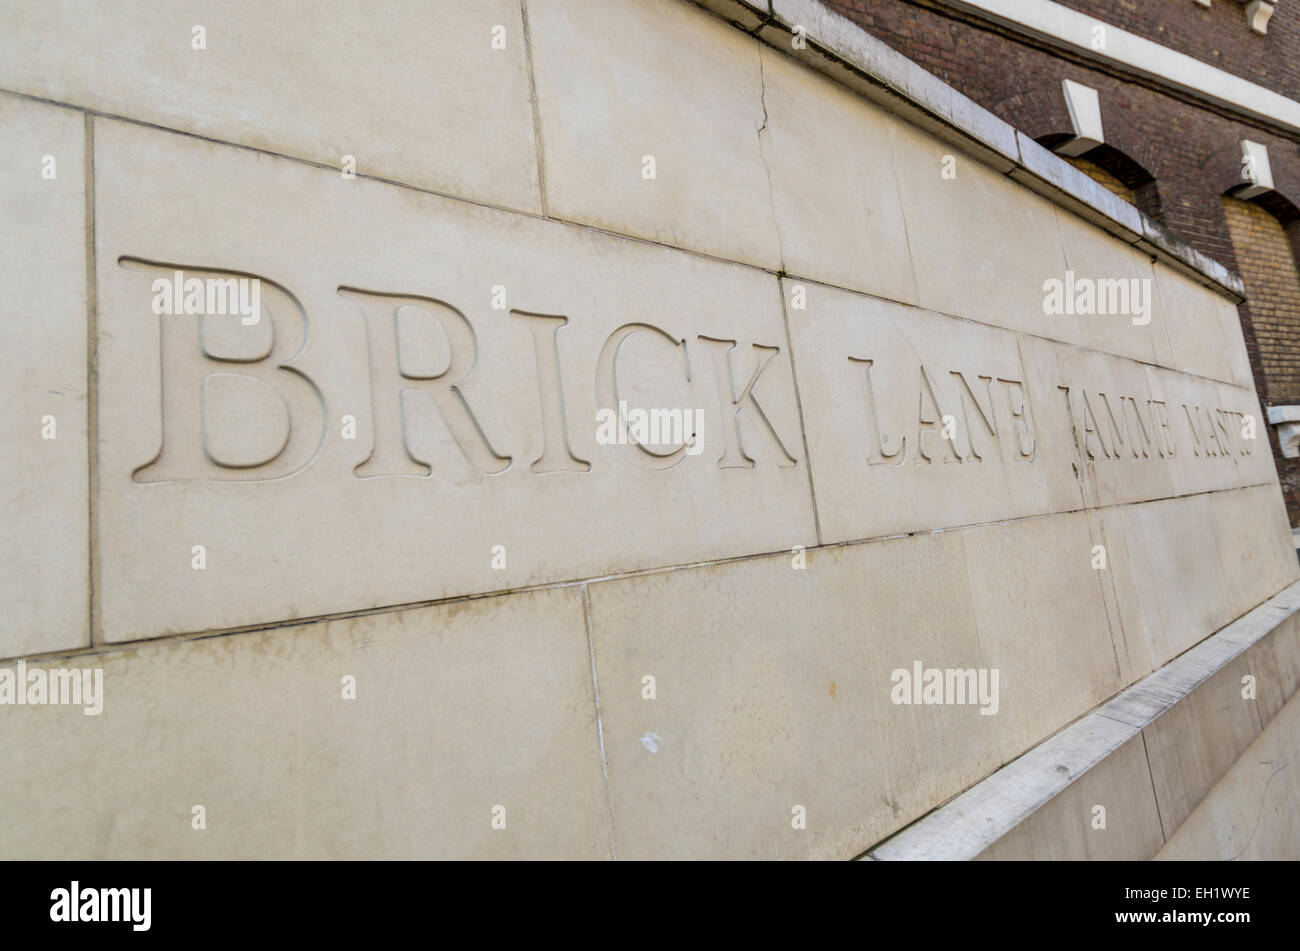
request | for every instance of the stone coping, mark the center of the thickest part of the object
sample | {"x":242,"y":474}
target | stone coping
{"x":840,"y":49}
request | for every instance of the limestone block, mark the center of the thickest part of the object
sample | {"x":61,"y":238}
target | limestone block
{"x":478,"y":462}
{"x":1181,"y":588}
{"x":882,"y":383}
{"x":44,"y":515}
{"x":1253,"y":544}
{"x":1253,"y":813}
{"x":1246,"y":434}
{"x":1113,"y":289}
{"x":1034,"y":426}
{"x":1196,"y":325}
{"x":458,"y":709}
{"x":982,"y":245}
{"x":1205,"y":432}
{"x":1096,"y":423}
{"x":621,"y":85}
{"x":1275,"y":663}
{"x":1117,"y":576}
{"x":1044,"y":621}
{"x":1195,"y":742}
{"x":416,"y":92}
{"x":1135,"y":432}
{"x":834,"y":194}
{"x":1234,"y":341}
{"x":773,"y":690}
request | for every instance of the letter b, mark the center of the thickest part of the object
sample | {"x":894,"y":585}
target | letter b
{"x":233,"y":409}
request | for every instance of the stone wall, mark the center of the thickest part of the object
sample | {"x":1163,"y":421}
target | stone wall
{"x":364,"y":574}
{"x":1183,"y":151}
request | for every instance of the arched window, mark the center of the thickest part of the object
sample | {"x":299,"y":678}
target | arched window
{"x":1117,"y":172}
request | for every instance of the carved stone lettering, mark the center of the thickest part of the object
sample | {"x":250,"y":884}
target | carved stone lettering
{"x":232,"y":405}
{"x":975,"y":404}
{"x":393,"y":389}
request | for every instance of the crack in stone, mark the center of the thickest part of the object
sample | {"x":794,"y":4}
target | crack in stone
{"x":1263,"y":801}
{"x":771,"y":193}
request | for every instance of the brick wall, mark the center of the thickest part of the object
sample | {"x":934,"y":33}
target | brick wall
{"x":1218,"y":35}
{"x":1268,"y":268}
